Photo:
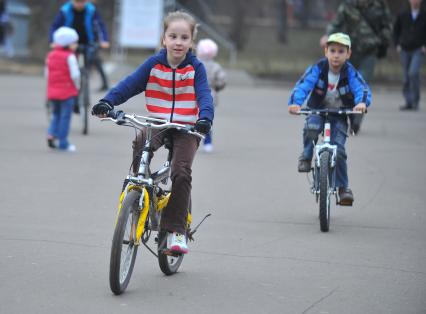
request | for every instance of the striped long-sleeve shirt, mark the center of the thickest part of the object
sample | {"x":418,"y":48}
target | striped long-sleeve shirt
{"x":179,"y":95}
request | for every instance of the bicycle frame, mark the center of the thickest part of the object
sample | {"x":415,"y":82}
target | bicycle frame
{"x":145,"y":181}
{"x":325,"y":145}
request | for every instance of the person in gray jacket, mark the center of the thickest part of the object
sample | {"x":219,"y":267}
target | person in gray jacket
{"x":207,"y":51}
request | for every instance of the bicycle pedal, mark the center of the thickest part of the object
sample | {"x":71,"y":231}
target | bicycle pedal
{"x":168,"y":252}
{"x":346,"y":203}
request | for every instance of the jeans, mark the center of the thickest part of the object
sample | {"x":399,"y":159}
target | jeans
{"x":61,"y":120}
{"x":208,"y":138}
{"x":314,"y":125}
{"x":411,"y":62}
{"x":174,"y":215}
{"x":365,"y":64}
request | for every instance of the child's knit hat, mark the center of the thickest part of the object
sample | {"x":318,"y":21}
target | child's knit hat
{"x":65,"y":36}
{"x":207,"y":49}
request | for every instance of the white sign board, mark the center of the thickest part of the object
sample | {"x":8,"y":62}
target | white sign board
{"x":141,"y":23}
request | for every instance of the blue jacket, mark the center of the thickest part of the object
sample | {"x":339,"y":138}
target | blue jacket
{"x":352,"y":87}
{"x":136,"y":83}
{"x":95,"y":27}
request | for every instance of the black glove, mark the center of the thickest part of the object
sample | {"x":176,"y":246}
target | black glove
{"x":203,"y":126}
{"x":101,"y":108}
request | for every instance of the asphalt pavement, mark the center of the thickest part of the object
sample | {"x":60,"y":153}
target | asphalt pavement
{"x":261,"y":251}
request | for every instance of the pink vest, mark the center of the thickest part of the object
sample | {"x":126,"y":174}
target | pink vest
{"x":60,"y":86}
{"x":169,"y":93}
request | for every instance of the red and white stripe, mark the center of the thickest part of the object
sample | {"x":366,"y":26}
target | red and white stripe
{"x":159,"y":94}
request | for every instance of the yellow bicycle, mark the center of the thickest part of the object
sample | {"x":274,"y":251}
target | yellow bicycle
{"x":140,"y":205}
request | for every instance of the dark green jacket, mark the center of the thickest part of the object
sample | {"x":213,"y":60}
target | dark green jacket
{"x":367,"y":22}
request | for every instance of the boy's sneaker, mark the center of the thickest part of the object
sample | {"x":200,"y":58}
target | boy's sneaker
{"x":346,"y":196}
{"x":176,"y":243}
{"x":304,"y":164}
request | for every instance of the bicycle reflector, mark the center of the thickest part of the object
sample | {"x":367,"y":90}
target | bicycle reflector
{"x":327,"y":132}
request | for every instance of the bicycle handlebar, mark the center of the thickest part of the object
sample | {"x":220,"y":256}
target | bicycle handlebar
{"x":308,"y":111}
{"x":121,"y":118}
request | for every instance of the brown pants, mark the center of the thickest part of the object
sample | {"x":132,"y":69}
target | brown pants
{"x":173,"y":218}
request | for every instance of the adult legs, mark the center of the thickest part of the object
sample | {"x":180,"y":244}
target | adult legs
{"x":405,"y":58}
{"x":365,"y":64}
{"x":414,"y":77}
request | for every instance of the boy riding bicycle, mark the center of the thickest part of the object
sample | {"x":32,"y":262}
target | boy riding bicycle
{"x":331,"y":83}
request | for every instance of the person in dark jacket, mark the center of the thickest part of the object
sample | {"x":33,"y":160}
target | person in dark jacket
{"x":410,"y":41}
{"x":83,"y":16}
{"x":330,"y":83}
{"x":369,"y":25}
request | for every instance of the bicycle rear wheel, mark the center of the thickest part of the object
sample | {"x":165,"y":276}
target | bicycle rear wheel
{"x":169,"y":264}
{"x":83,"y":99}
{"x":124,"y":250}
{"x":324,"y":196}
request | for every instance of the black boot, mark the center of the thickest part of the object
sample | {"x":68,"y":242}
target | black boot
{"x":346,"y":197}
{"x":304,"y":164}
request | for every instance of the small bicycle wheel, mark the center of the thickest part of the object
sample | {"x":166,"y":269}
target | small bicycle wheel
{"x":124,"y":250}
{"x":169,"y":264}
{"x":324,"y":196}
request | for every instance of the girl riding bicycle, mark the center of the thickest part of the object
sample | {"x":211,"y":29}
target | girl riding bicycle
{"x":176,"y":89}
{"x":331,"y":83}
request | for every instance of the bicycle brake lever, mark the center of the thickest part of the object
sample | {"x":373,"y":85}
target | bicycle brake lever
{"x":119,"y":117}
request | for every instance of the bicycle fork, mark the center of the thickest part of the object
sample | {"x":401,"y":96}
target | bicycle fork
{"x":319,"y":149}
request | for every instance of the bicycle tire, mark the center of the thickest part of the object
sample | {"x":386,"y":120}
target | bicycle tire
{"x":169,"y":264}
{"x":84,"y":109}
{"x":119,"y":276}
{"x":324,"y":197}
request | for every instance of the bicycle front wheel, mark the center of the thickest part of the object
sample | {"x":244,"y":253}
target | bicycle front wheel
{"x":324,"y":196}
{"x":124,"y":250}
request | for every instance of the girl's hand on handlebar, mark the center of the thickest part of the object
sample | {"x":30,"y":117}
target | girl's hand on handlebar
{"x":101,"y":109}
{"x":361,"y":107}
{"x":293,"y":109}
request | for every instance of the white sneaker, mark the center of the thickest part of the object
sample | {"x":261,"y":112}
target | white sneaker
{"x":176,"y":243}
{"x":71,"y":148}
{"x":208,"y":148}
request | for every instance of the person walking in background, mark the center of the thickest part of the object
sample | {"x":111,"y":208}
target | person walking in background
{"x":6,"y":30}
{"x":207,"y":51}
{"x":97,"y":60}
{"x":83,"y":16}
{"x":63,"y":81}
{"x":410,"y":41}
{"x":369,"y":25}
